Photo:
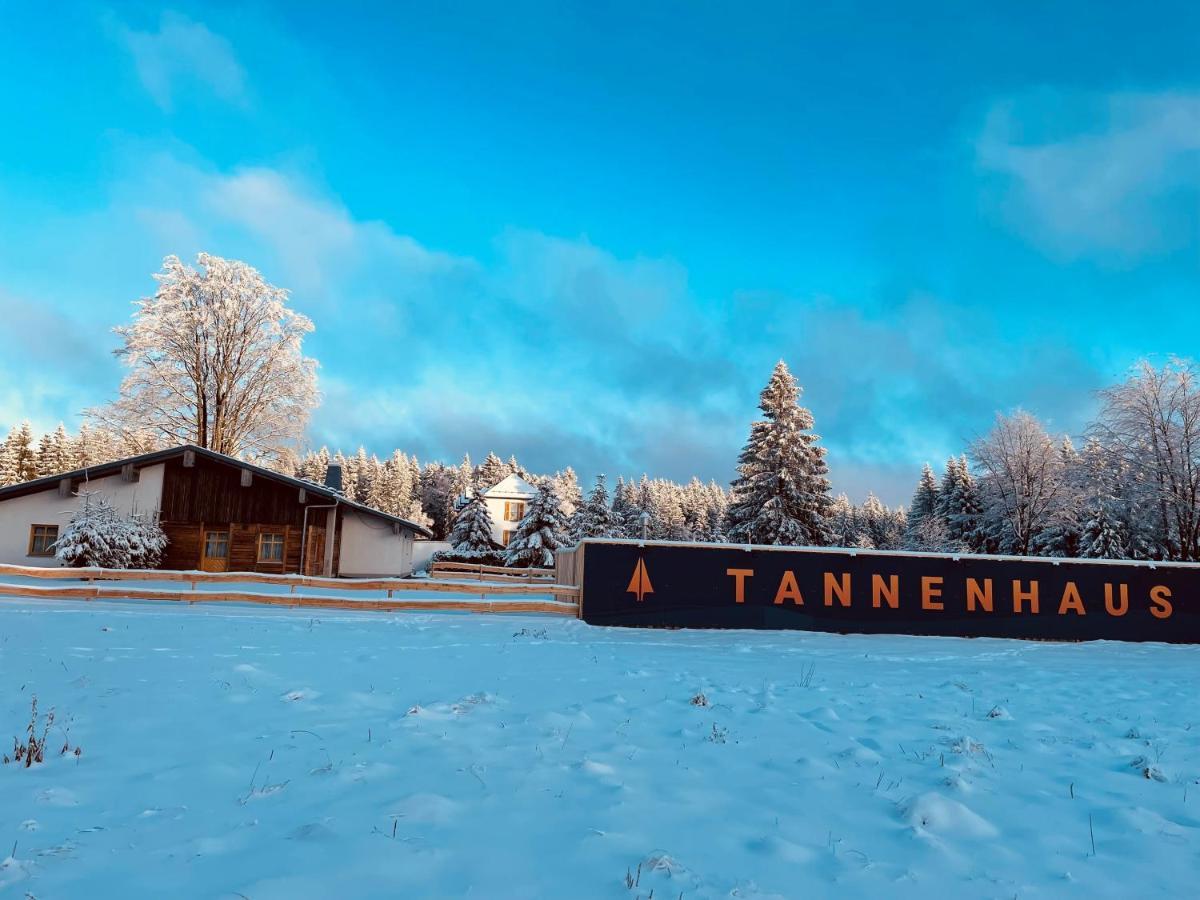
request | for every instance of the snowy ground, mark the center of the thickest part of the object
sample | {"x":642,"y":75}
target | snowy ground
{"x":267,"y":753}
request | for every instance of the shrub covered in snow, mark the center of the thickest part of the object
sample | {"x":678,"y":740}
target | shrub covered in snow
{"x":99,"y":536}
{"x":475,"y":557}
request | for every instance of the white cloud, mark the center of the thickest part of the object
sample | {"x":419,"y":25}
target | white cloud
{"x":315,"y":238}
{"x":182,"y":50}
{"x":1084,"y":174}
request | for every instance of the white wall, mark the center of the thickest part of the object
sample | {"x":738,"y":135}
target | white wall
{"x":48,"y":508}
{"x":370,"y":547}
{"x":423,"y":552}
{"x":499,"y":523}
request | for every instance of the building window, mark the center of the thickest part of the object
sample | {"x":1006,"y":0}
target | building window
{"x":216,"y":544}
{"x":506,"y":536}
{"x":514,"y":511}
{"x":270,"y":547}
{"x":41,"y":539}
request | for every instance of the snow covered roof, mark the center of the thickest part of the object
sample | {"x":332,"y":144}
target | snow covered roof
{"x":149,"y":459}
{"x":514,"y":487}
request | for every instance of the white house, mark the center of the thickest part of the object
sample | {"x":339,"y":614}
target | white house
{"x":219,"y":514}
{"x":506,"y":503}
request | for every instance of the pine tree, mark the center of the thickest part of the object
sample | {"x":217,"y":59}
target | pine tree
{"x":492,"y":471}
{"x":922,"y":531}
{"x":566,"y":485}
{"x":472,"y":531}
{"x":879,"y":527}
{"x":8,"y":463}
{"x":624,"y":511}
{"x":540,"y":533}
{"x":958,"y":506}
{"x":843,"y":524}
{"x":781,"y":494}
{"x":593,"y":519}
{"x":20,"y":457}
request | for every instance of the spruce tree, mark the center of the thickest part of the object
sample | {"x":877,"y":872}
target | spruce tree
{"x":20,"y":456}
{"x":491,"y":472}
{"x":843,"y":524}
{"x":922,"y":531}
{"x":540,"y":533}
{"x":781,"y":495}
{"x":593,"y":519}
{"x":472,"y":531}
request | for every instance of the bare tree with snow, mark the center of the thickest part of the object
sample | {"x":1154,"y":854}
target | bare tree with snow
{"x":215,"y":359}
{"x":1151,"y":424}
{"x":1022,"y":478}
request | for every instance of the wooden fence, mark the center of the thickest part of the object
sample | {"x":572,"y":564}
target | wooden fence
{"x":497,"y":574}
{"x":564,"y":599}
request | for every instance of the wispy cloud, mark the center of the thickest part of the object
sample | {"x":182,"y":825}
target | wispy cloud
{"x":183,"y":51}
{"x":1088,"y":174}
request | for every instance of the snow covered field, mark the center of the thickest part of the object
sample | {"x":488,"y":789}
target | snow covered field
{"x":268,"y":753}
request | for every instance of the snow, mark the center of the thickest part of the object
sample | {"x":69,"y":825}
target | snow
{"x":274,"y":753}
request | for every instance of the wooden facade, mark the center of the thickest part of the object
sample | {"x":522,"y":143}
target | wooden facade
{"x":208,"y":496}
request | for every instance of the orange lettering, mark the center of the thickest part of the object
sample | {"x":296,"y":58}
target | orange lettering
{"x":976,"y":596}
{"x":841,"y":587}
{"x":1116,"y":610}
{"x":1072,"y":601}
{"x":739,"y":588}
{"x":788,"y":589}
{"x":1020,"y":597}
{"x":931,"y":589}
{"x":1160,"y":596}
{"x":889,"y":595}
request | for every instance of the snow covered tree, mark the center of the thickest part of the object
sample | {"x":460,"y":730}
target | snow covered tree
{"x":437,"y":487}
{"x":843,"y":523}
{"x":540,"y":533}
{"x":492,"y":471}
{"x":98,"y":535}
{"x":781,"y":494}
{"x":147,"y":541}
{"x":566,"y":485}
{"x":215,"y":359}
{"x":18,"y":462}
{"x":1022,"y":482}
{"x":593,"y":518}
{"x":879,"y":527}
{"x":1151,"y":422}
{"x":958,"y":505}
{"x":923,"y":527}
{"x":472,"y":531}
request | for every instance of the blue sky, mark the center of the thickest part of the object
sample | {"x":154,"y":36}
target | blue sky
{"x":584,"y":233}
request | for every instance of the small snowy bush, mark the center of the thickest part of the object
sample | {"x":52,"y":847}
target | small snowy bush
{"x":99,"y":536}
{"x":474,"y":557}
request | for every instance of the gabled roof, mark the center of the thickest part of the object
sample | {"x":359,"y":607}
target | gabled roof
{"x":114,"y":467}
{"x":513,"y":487}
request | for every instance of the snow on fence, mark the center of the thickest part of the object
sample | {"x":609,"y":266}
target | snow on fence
{"x":563,"y":599}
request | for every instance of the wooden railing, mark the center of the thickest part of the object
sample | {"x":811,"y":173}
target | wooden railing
{"x":499,"y":574}
{"x":564,"y":598}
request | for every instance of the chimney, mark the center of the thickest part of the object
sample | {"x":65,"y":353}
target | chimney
{"x":333,"y":477}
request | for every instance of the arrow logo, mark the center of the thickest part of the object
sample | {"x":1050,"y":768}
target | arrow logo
{"x":640,"y":583}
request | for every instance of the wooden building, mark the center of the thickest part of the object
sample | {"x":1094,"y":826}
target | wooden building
{"x":219,"y":514}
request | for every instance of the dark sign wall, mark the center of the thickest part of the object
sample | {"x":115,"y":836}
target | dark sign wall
{"x":724,"y":586}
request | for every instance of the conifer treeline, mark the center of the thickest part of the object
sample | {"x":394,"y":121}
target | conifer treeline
{"x":1132,"y":492}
